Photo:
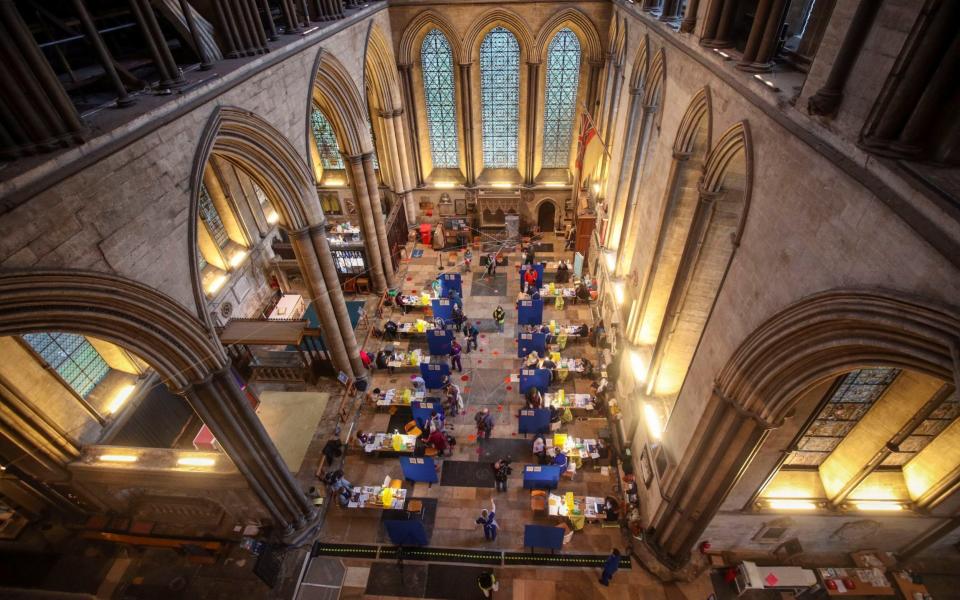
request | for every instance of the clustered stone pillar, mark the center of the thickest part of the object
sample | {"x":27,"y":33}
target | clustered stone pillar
{"x":170,"y":73}
{"x":764,"y":35}
{"x":191,"y":20}
{"x":106,"y":61}
{"x":310,"y":265}
{"x":533,"y":95}
{"x":690,"y":16}
{"x":37,"y":115}
{"x":362,"y":198}
{"x":627,"y":241}
{"x":718,"y":24}
{"x":670,"y":10}
{"x":224,"y":408}
{"x":628,"y":170}
{"x":239,"y":27}
{"x":406,"y":84}
{"x":466,"y":113}
{"x":376,"y":210}
{"x":328,"y":10}
{"x":290,"y":16}
{"x":731,"y":432}
{"x":402,"y":144}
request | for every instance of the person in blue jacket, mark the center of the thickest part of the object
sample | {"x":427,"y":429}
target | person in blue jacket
{"x":610,"y":567}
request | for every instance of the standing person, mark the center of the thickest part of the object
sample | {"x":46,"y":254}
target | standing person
{"x":488,"y":520}
{"x":540,"y":449}
{"x":419,"y":385}
{"x":499,"y":316}
{"x":435,"y":285}
{"x":472,"y":334}
{"x":610,"y":567}
{"x":366,"y":359}
{"x":455,"y":299}
{"x":467,"y":259}
{"x":438,"y":440}
{"x":455,"y":349}
{"x":530,"y":278}
{"x":454,"y":404}
{"x":488,"y":584}
{"x":501,"y":470}
{"x":485,"y":424}
{"x":530,"y":255}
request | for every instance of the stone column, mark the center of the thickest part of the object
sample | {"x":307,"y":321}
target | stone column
{"x":762,"y":42}
{"x":379,"y":224}
{"x":106,"y":60}
{"x":689,"y":16}
{"x":157,"y":42}
{"x":188,"y":16}
{"x":701,"y":480}
{"x":628,"y":169}
{"x":609,"y":135}
{"x":335,"y":293}
{"x":533,"y":100}
{"x":362,"y":199}
{"x":389,"y":140}
{"x":406,"y":84}
{"x":290,"y":16}
{"x":401,"y":139}
{"x":39,"y":115}
{"x":625,"y":249}
{"x":668,"y":10}
{"x":309,"y":262}
{"x":271,"y":26}
{"x":224,"y":408}
{"x":716,"y":31}
{"x":593,"y":85}
{"x":466,"y":115}
{"x":827,"y":99}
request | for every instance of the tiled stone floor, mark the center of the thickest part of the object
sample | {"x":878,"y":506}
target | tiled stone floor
{"x":484,"y":384}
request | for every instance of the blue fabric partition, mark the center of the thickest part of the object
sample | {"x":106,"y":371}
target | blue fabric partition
{"x":528,"y":342}
{"x":434,"y":373}
{"x":443,"y":308}
{"x":530,"y":312}
{"x":423,"y":409}
{"x":533,"y":378}
{"x":538,"y":267}
{"x":419,"y":469}
{"x":439,"y":341}
{"x":535,"y":421}
{"x":542,"y":536}
{"x":450,"y":281}
{"x":538,"y":477}
{"x":408,"y":533}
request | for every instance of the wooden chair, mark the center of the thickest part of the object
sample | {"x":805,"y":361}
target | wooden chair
{"x":430,"y":452}
{"x":363,"y":285}
{"x":412,"y":429}
{"x":538,"y":501}
{"x":350,"y":285}
{"x":396,"y":484}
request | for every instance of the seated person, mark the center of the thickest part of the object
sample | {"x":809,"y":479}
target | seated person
{"x":583,"y":330}
{"x":532,"y":361}
{"x":583,"y":292}
{"x":390,"y":330}
{"x":332,"y":449}
{"x":612,"y":509}
{"x":419,"y":385}
{"x":438,"y":440}
{"x":560,"y":459}
{"x":383,"y":359}
{"x":534,"y":293}
{"x":373,"y":395}
{"x":534,"y":398}
{"x":540,"y":450}
{"x":555,"y":414}
{"x":365,"y":438}
{"x":400,"y":304}
{"x":521,"y":297}
{"x":550,"y":366}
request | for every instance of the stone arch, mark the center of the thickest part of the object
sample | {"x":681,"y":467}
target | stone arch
{"x":812,"y":340}
{"x":418,"y":27}
{"x":690,"y":149}
{"x":580,"y":24}
{"x":557,"y":210}
{"x":380,"y":71}
{"x":641,"y":65}
{"x":714,"y":236}
{"x":336,"y":94}
{"x":155,"y":327}
{"x":487,"y":21}
{"x":656,"y":81}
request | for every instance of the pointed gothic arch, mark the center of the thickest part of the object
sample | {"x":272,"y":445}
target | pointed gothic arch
{"x":641,"y":65}
{"x":412,"y":36}
{"x":580,"y":24}
{"x":497,"y":17}
{"x":335,"y":93}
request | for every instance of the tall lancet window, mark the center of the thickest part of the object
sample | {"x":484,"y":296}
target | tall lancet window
{"x":560,"y":98}
{"x":500,"y":98}
{"x":326,"y":141}
{"x":439,"y":93}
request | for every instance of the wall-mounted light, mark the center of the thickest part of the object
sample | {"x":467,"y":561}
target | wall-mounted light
{"x":118,"y":458}
{"x":445,"y":185}
{"x":335,"y":182}
{"x":654,"y":422}
{"x":554,"y":184}
{"x":638,"y":365}
{"x":877,"y":505}
{"x":120,"y":398}
{"x":196,"y":461}
{"x":502,"y":184}
{"x":611,"y":260}
{"x":216,"y":282}
{"x":272,"y":217}
{"x":596,"y":189}
{"x":791,"y":504}
{"x":237,"y":257}
{"x":618,"y":291}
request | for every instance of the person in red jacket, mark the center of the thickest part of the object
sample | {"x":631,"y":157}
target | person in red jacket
{"x":530,"y":277}
{"x":438,"y":440}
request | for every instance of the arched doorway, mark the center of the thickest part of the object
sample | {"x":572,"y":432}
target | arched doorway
{"x":546,"y":216}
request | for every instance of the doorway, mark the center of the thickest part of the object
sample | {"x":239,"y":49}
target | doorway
{"x":546,"y":216}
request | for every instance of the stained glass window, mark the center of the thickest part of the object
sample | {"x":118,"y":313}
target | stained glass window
{"x":77,"y":362}
{"x":211,"y":218}
{"x":500,"y":98}
{"x":560,"y":98}
{"x":853,"y":397}
{"x":436,"y":61}
{"x":326,"y":140}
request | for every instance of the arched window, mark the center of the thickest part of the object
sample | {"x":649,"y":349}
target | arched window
{"x":326,"y":141}
{"x":560,"y":98}
{"x":436,"y":62}
{"x":72,"y":356}
{"x":211,"y":218}
{"x":500,"y":98}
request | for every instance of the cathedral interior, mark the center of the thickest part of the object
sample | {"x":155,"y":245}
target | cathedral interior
{"x":317,"y":299}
